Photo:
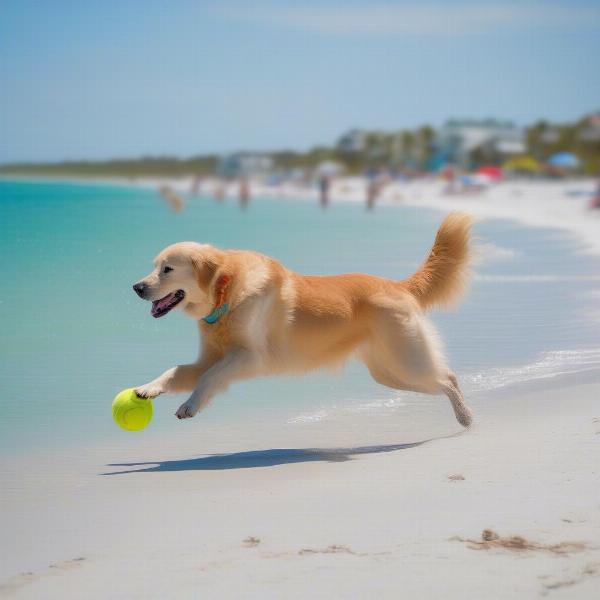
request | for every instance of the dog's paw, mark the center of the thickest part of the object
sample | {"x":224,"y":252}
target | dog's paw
{"x":187,"y":410}
{"x":150,"y":390}
{"x":464,"y":416}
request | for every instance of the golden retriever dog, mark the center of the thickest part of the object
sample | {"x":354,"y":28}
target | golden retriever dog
{"x":258,"y":318}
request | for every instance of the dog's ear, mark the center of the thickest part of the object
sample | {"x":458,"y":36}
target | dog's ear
{"x":213,"y":275}
{"x":205,"y":267}
{"x":205,"y":271}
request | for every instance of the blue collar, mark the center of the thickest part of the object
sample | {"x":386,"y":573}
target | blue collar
{"x":216,"y":314}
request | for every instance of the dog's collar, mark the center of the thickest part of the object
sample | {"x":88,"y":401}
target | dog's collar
{"x":216,"y":314}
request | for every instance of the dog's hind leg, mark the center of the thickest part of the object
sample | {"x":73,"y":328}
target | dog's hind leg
{"x":384,"y":377}
{"x":404,"y":353}
{"x":451,"y":388}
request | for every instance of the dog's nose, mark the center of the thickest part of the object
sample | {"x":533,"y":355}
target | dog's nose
{"x":139,"y":289}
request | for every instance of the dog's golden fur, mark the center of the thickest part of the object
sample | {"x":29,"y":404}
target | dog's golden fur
{"x":283,"y":322}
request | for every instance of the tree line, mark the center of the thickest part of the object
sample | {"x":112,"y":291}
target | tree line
{"x":407,"y":149}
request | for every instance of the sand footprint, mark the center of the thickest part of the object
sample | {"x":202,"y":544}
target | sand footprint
{"x":21,"y":580}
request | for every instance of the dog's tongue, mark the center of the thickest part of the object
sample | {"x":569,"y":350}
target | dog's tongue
{"x":159,"y":305}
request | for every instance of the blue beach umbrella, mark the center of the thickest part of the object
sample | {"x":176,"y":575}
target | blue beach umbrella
{"x":564,"y":160}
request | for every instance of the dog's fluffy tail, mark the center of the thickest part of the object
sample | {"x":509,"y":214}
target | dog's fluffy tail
{"x":443,"y":277}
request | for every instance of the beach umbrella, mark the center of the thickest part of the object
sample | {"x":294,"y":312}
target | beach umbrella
{"x":491,"y":172}
{"x":564,"y":160}
{"x":522,"y":163}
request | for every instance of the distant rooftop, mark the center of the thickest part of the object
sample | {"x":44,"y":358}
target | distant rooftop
{"x":487,"y":123}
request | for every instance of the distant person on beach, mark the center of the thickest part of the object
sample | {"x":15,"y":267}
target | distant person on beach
{"x":219,"y":191}
{"x":449,"y":176}
{"x":595,"y":202}
{"x":196,"y":184}
{"x":324,"y":185}
{"x":371,"y":192}
{"x":375,"y":183}
{"x":175,"y":201}
{"x":244,"y":192}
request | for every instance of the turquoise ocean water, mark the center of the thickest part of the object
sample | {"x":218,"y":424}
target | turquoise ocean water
{"x":74,"y":333}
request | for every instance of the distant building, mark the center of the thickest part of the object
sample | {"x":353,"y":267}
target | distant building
{"x":411,"y":149}
{"x":352,"y":141}
{"x":550,"y":135}
{"x":245,"y":164}
{"x":590,"y":132}
{"x":463,"y":142}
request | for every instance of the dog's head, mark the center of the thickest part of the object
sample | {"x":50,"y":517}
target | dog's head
{"x":188,"y":275}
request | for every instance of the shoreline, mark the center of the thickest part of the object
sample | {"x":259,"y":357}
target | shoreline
{"x":560,"y":205}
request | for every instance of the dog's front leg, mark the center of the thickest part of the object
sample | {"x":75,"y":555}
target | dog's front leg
{"x":182,"y":378}
{"x":238,"y":364}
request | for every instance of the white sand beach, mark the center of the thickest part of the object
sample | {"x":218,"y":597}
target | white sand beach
{"x":231,"y":514}
{"x":554,"y":204}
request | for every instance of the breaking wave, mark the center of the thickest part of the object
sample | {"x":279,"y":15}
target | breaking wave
{"x":549,"y":365}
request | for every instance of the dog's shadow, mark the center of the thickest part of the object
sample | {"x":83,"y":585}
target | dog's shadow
{"x":263,"y":458}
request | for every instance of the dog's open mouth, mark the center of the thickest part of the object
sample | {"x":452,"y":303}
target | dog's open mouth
{"x":161,"y":307}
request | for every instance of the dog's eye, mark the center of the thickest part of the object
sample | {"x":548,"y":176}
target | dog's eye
{"x":167,"y":269}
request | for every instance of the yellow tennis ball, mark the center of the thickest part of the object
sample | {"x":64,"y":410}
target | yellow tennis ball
{"x":130,"y":412}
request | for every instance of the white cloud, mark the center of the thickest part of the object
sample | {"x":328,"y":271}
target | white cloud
{"x":433,"y":18}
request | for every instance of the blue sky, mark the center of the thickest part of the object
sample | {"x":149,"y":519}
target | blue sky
{"x":126,"y":78}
